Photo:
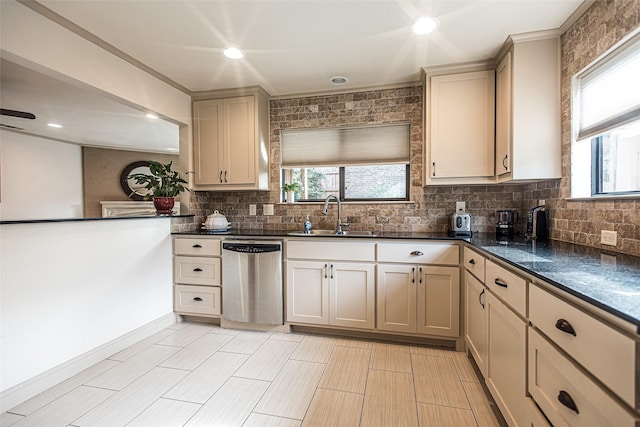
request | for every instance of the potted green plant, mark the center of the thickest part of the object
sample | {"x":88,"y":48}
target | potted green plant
{"x":163,"y":184}
{"x":291,"y":189}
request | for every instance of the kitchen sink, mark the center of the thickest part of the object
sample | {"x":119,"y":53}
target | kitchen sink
{"x":316,"y":233}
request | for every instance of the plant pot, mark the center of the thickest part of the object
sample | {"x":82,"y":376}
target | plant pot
{"x":164,"y":205}
{"x":291,"y":196}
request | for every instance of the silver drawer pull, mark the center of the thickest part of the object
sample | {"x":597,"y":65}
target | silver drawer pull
{"x":417,"y":253}
{"x":197,"y":269}
{"x":197,"y":246}
{"x":197,"y":299}
{"x":501,"y":283}
{"x":472,"y":261}
{"x":566,"y":399}
{"x":565,"y":327}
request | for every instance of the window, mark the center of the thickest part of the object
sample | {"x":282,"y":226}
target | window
{"x":605,"y":157}
{"x":360,"y":163}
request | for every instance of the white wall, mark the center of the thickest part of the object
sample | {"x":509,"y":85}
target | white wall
{"x":40,"y":178}
{"x":68,"y":288}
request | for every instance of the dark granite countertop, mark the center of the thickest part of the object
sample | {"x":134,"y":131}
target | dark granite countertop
{"x":607,"y":280}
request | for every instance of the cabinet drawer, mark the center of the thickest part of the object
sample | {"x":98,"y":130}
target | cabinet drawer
{"x":196,"y":270}
{"x":337,"y":251}
{"x":554,"y":379}
{"x":197,"y":299}
{"x":606,"y":353}
{"x":511,"y":288}
{"x":419,"y":253}
{"x":475,"y":263}
{"x":196,"y":247}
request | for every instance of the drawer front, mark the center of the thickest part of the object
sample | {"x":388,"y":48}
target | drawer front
{"x":475,"y":263}
{"x":196,"y":270}
{"x":566,"y":395}
{"x":511,"y":288}
{"x":419,"y":253}
{"x":197,"y":300}
{"x":608,"y":354}
{"x":196,"y":246}
{"x":337,"y":251}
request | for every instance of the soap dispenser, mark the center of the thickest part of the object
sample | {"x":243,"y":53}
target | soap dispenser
{"x":307,"y":225}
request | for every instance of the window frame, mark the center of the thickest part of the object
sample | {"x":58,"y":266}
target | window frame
{"x":341,"y":190}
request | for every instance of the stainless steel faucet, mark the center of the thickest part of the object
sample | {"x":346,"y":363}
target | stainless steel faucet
{"x":325,"y":210}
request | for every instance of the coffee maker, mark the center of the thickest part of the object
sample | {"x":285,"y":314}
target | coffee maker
{"x":505,"y":222}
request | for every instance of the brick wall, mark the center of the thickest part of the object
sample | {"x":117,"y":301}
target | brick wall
{"x":429,"y":207}
{"x":603,"y":25}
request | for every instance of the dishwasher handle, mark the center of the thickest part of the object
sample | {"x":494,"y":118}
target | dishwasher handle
{"x":252,"y":248}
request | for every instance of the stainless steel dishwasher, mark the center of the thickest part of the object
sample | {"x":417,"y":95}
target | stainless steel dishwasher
{"x":252,"y":281}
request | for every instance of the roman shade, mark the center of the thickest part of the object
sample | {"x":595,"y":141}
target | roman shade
{"x":608,"y":94}
{"x":348,"y":146}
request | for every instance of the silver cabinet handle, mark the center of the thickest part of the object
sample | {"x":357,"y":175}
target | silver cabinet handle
{"x":331,"y":275}
{"x":480,"y":299}
{"x":325,"y":270}
{"x":504,"y":162}
{"x":434,"y":169}
{"x":417,"y":253}
{"x":225,"y":177}
{"x":413,"y":275}
{"x":420,"y":271}
{"x":221,"y":176}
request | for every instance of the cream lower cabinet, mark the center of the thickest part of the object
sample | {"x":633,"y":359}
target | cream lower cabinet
{"x":475,"y":320}
{"x":414,"y":296}
{"x":336,"y":291}
{"x":197,"y":279}
{"x":506,"y":363}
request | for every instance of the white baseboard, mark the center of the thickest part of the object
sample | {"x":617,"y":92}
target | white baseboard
{"x":27,"y":389}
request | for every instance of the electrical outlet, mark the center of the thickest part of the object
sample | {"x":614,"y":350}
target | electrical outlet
{"x":541,"y":202}
{"x":609,"y":237}
{"x":252,"y":209}
{"x":460,"y":206}
{"x":267,"y":209}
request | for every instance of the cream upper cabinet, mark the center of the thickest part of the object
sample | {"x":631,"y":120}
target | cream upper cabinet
{"x":231,"y":138}
{"x":528,"y":145}
{"x":460,"y":122}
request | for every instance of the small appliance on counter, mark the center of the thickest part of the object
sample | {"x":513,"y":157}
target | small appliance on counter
{"x":537,"y":224}
{"x":505,"y":222}
{"x":460,"y":224}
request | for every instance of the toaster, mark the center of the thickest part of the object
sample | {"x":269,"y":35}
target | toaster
{"x":537,"y":224}
{"x":460,"y":224}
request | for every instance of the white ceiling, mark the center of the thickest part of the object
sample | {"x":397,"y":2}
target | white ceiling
{"x":296,"y":46}
{"x":292,"y":47}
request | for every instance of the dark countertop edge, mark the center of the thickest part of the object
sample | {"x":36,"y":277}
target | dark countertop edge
{"x":566,"y":289}
{"x":109,"y":218}
{"x":434,"y":236}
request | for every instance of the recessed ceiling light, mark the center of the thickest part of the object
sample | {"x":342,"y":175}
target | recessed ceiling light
{"x":338,"y":80}
{"x":232,"y":53}
{"x":54,"y":125}
{"x":151,"y":116}
{"x":424,"y":25}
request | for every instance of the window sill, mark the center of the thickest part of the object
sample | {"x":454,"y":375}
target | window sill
{"x":607,"y":197}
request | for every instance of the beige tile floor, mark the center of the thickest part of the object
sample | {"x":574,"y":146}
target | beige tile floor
{"x":195,"y":374}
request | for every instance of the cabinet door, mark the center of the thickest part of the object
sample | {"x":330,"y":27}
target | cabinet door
{"x":504,"y":116}
{"x":308,"y":292}
{"x":475,"y":320}
{"x":462,"y":125}
{"x":439,"y":301}
{"x":240,"y":141}
{"x":351,"y":291}
{"x":396,"y":297}
{"x":208,"y":142}
{"x":506,"y":360}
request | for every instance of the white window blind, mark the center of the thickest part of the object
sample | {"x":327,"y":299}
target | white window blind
{"x":608,"y":94}
{"x":366,"y":145}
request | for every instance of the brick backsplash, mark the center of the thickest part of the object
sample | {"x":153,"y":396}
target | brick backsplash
{"x":573,"y":221}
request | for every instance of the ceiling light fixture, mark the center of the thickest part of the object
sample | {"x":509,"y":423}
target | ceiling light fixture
{"x":151,"y":116}
{"x":424,"y":25}
{"x":54,"y":125}
{"x":338,"y":80}
{"x":232,"y":53}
